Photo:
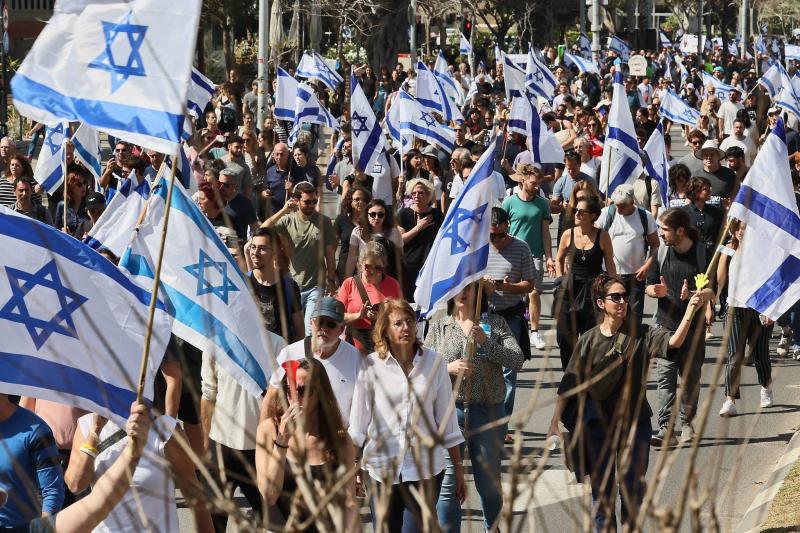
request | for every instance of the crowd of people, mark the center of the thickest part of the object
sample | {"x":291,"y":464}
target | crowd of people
{"x":368,"y":402}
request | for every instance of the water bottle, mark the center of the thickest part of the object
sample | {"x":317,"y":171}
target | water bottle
{"x":487,"y":329}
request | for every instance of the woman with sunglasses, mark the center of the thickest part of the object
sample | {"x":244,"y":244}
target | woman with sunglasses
{"x":602,"y":401}
{"x":581,"y":253}
{"x":363,"y":293}
{"x":303,"y":434}
{"x":351,"y":209}
{"x":679,"y":175}
{"x":582,"y":190}
{"x":594,"y":134}
{"x":413,"y":170}
{"x":402,"y":400}
{"x":418,"y":226}
{"x":74,"y":200}
{"x":376,"y":223}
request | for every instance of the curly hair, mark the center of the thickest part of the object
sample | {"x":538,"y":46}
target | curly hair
{"x":601,"y":284}
{"x":379,"y":335}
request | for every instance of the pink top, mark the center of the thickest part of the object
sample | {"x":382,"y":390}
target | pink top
{"x":62,"y":419}
{"x":349,"y":296}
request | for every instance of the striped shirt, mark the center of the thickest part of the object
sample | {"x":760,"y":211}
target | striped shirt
{"x":7,"y":197}
{"x":514,"y":261}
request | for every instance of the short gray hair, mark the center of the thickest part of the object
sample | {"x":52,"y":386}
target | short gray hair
{"x":372,"y":249}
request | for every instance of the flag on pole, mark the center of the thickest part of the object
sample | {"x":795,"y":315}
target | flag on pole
{"x":621,"y":162}
{"x":619,"y":46}
{"x":656,"y":164}
{"x":87,"y":150}
{"x":73,"y":325}
{"x":114,"y":229}
{"x":49,"y":171}
{"x":665,"y":42}
{"x":367,"y":135}
{"x":498,"y":54}
{"x":183,"y":169}
{"x":723,"y":89}
{"x":431,"y":94}
{"x":514,"y":78}
{"x":205,"y":291}
{"x":104,"y":64}
{"x":684,"y":73}
{"x":451,"y":87}
{"x":765,"y":272}
{"x":309,"y":110}
{"x":313,"y":66}
{"x":585,"y":45}
{"x":524,"y":119}
{"x":460,"y":251}
{"x":587,"y":66}
{"x":408,"y":118}
{"x":760,"y":46}
{"x":285,"y":95}
{"x":201,"y":90}
{"x":675,"y":109}
{"x":787,"y":97}
{"x":538,"y":78}
{"x":464,"y":48}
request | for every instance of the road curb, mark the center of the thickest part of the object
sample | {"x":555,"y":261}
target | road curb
{"x":758,"y":510}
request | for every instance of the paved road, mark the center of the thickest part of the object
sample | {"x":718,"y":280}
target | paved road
{"x":734,"y":459}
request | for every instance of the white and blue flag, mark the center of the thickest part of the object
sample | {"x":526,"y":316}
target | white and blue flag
{"x":204,"y":290}
{"x":524,"y":119}
{"x":772,"y":79}
{"x":432,"y":95}
{"x":313,"y":66}
{"x":120,"y":67}
{"x":621,"y":162}
{"x":408,"y":118}
{"x":464,"y":48}
{"x":514,"y":78}
{"x":584,"y":45}
{"x":675,"y":109}
{"x":791,"y":52}
{"x":619,"y":46}
{"x":684,"y":73}
{"x":765,"y":272}
{"x":587,"y":66}
{"x":49,"y":171}
{"x":309,"y":110}
{"x":722,"y":88}
{"x":788,"y":97}
{"x":538,"y":78}
{"x":665,"y":42}
{"x":452,"y":88}
{"x":73,"y":325}
{"x":201,"y":90}
{"x":87,"y":150}
{"x":285,"y":95}
{"x":114,"y":229}
{"x":367,"y":135}
{"x":183,"y":168}
{"x":760,"y":46}
{"x":656,"y":164}
{"x":460,"y":253}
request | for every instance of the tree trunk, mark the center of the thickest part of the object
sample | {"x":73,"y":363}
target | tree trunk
{"x":390,"y":35}
{"x":630,"y":17}
{"x":200,"y":49}
{"x":227,"y":44}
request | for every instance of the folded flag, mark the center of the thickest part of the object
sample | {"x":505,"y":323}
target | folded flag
{"x":431,"y":94}
{"x":655,"y":161}
{"x":514,"y":78}
{"x":587,"y":66}
{"x":367,"y":135}
{"x":675,"y":109}
{"x":451,"y":87}
{"x":524,"y":119}
{"x":309,"y":110}
{"x":621,"y":162}
{"x":87,"y":151}
{"x":464,"y":47}
{"x":313,"y":66}
{"x":49,"y":171}
{"x":114,"y":229}
{"x":285,"y":95}
{"x":538,"y":78}
{"x":201,"y":90}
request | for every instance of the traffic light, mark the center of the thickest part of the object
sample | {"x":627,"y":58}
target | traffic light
{"x":466,"y":27}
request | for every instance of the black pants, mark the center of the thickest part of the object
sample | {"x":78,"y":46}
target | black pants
{"x":236,"y":464}
{"x":746,"y":328}
{"x":575,"y":313}
{"x":403,"y":514}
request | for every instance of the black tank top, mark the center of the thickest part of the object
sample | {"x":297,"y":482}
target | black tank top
{"x":586,"y":263}
{"x":285,"y":500}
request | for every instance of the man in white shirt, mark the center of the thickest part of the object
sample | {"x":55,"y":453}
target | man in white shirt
{"x":635,"y":243}
{"x":727,"y":113}
{"x":738,"y":138}
{"x":340,"y":358}
{"x":645,"y":92}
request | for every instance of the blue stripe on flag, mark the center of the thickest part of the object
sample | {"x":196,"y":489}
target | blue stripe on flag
{"x":151,"y":122}
{"x":37,"y":234}
{"x":53,"y":181}
{"x":369,"y":148}
{"x":536,"y":134}
{"x":624,"y":138}
{"x":472,"y":262}
{"x":773,"y":212}
{"x":81,"y":149}
{"x":621,"y":176}
{"x":20,"y":369}
{"x":776,"y":285}
{"x":422,"y":130}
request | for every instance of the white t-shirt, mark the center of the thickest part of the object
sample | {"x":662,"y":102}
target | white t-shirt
{"x":627,"y":239}
{"x":384,"y":170}
{"x":745,"y":143}
{"x":152,"y":486}
{"x":727,"y":112}
{"x":341,"y":366}
{"x":591,"y":167}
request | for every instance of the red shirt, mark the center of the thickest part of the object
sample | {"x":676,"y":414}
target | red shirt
{"x":349,"y":296}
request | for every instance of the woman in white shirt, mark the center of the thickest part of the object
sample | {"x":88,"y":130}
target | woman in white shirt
{"x":403,"y":398}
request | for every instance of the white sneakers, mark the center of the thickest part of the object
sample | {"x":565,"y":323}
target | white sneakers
{"x":537,"y":340}
{"x":766,"y":397}
{"x":728,"y":409}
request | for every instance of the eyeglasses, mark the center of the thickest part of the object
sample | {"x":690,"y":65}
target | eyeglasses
{"x":497,"y":236}
{"x":373,"y":268}
{"x":593,"y":124}
{"x":326,"y":323}
{"x":617,"y":297}
{"x":376,"y":214}
{"x":310,"y":202}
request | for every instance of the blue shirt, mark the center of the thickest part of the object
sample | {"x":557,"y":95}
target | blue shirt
{"x":30,"y":469}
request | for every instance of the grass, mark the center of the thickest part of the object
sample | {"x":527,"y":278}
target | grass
{"x":784,"y":513}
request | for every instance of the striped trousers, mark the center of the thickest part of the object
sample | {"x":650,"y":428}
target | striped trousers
{"x":746,"y":329}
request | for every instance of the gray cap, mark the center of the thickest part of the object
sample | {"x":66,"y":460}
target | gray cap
{"x":329,"y":307}
{"x":623,"y":194}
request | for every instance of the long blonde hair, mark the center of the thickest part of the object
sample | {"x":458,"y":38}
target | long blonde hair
{"x":382,"y":324}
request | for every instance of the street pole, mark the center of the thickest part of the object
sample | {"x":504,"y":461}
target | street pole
{"x":263,"y":66}
{"x":700,"y":47}
{"x":581,"y":17}
{"x":4,"y":90}
{"x":413,"y":34}
{"x":744,"y":27}
{"x":597,"y":26}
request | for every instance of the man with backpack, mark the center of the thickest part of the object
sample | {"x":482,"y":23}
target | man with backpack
{"x":635,"y":242}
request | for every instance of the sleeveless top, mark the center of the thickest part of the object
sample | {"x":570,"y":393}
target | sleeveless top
{"x":290,"y":491}
{"x":586,"y":263}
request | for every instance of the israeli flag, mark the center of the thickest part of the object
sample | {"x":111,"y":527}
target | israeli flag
{"x":585,"y":45}
{"x":464,"y":48}
{"x":451,"y":87}
{"x":49,"y":171}
{"x":675,"y":109}
{"x":313,"y":66}
{"x":787,"y":97}
{"x":87,"y":150}
{"x":760,"y":46}
{"x":791,"y":52}
{"x":118,"y":66}
{"x":498,"y":54}
{"x":668,"y":68}
{"x":538,"y":78}
{"x":587,"y":66}
{"x":183,"y":169}
{"x":201,"y":90}
{"x":431,"y":94}
{"x":472,"y":91}
{"x":524,"y":119}
{"x":665,"y":42}
{"x":772,"y":79}
{"x":285,"y":95}
{"x":73,"y":325}
{"x":514,"y":78}
{"x":621,"y":162}
{"x":333,"y":159}
{"x":765,"y":272}
{"x":367,"y":135}
{"x":205,"y":291}
{"x":408,"y":118}
{"x":619,"y":46}
{"x":656,"y":164}
{"x":684,"y":73}
{"x":114,"y":229}
{"x":309,"y":110}
{"x":723,"y":89}
{"x":460,"y":252}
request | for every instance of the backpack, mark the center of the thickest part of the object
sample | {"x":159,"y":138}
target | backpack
{"x":612,"y":211}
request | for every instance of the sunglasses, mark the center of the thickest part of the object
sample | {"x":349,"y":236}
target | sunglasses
{"x":376,"y":214}
{"x":326,"y":323}
{"x":310,"y":202}
{"x":617,"y":297}
{"x":497,"y":236}
{"x":301,"y":390}
{"x":581,"y":212}
{"x":373,"y":268}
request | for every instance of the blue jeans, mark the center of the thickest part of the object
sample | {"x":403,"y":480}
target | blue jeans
{"x":37,"y":136}
{"x":485,"y":452}
{"x":403,"y":513}
{"x":308,"y":301}
{"x":516,"y":325}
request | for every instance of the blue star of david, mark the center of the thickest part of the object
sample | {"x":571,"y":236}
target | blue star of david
{"x":457,"y":243}
{"x":16,"y":310}
{"x":539,"y":76}
{"x":362,"y":124}
{"x":429,"y":120}
{"x":133,"y":66}
{"x":687,"y":113}
{"x":55,"y":144}
{"x":198,"y":270}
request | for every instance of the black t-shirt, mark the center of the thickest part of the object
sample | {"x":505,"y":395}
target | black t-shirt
{"x":366,"y":184}
{"x":242,"y":214}
{"x":416,"y":250}
{"x":343,"y":227}
{"x":709,"y":222}
{"x":677,"y":267}
{"x":723,"y":182}
{"x":269,"y":305}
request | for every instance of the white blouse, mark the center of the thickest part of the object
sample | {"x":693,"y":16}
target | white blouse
{"x":392,"y":412}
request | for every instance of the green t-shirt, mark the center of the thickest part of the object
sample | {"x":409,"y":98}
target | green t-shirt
{"x":526,"y":220}
{"x":305,"y":236}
